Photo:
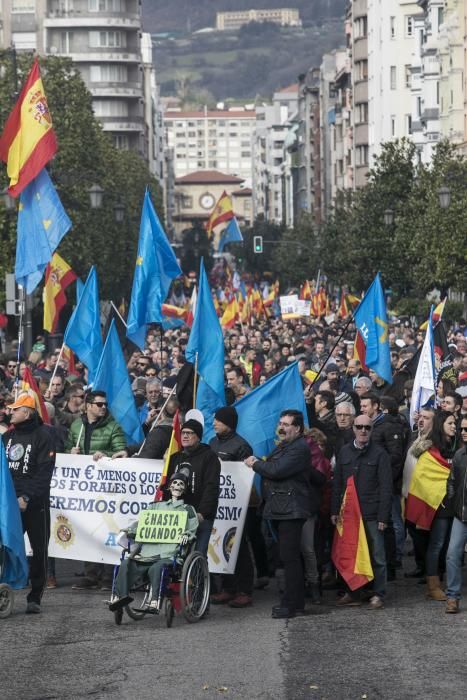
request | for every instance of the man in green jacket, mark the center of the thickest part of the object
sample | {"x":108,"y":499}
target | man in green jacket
{"x":96,"y":433}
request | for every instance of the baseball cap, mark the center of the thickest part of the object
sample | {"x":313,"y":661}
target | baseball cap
{"x":24,"y":401}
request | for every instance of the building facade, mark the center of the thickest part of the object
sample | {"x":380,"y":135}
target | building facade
{"x":211,"y":140}
{"x":103,"y":38}
{"x":359,"y":53}
{"x":231,"y":21}
{"x":452,"y":57}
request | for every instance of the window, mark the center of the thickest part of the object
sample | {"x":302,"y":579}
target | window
{"x":393,"y":125}
{"x":110,"y":108}
{"x":361,"y":116}
{"x":122,"y":142}
{"x":24,"y":41}
{"x":393,"y":78}
{"x":361,"y":155}
{"x":419,"y":106}
{"x":109,"y":74}
{"x":408,"y":26}
{"x":408,"y":76}
{"x":23,"y":6}
{"x":109,"y":39}
{"x":392,"y":27}
{"x":408,"y":122}
{"x":361,"y":68}
{"x":105,"y":5}
{"x":440,"y":16}
{"x":66,"y":42}
{"x":437,"y":92}
{"x":187,"y":201}
{"x":361,"y":28}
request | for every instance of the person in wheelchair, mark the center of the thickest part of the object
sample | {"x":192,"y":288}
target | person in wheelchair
{"x":147,"y":560}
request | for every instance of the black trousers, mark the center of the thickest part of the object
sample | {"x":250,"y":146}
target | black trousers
{"x":253,"y":525}
{"x":242,"y":580}
{"x":289,"y":533}
{"x":36,"y":523}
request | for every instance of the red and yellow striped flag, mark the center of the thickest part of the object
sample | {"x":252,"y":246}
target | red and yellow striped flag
{"x":343,"y":310}
{"x":231,"y":315}
{"x":222,"y":212}
{"x":28,"y":383}
{"x":175,"y":445}
{"x":28,"y":141}
{"x":350,"y":552}
{"x":57,"y":278}
{"x":427,"y":488}
{"x":437,"y":315}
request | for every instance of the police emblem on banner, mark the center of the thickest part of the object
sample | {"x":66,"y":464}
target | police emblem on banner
{"x":62,"y":531}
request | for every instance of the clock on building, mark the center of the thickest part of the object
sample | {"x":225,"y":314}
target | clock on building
{"x":207,"y":201}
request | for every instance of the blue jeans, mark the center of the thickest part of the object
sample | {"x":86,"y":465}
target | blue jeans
{"x":202,"y":536}
{"x":438,"y":535}
{"x":454,"y":558}
{"x":399,"y":527}
{"x":375,"y":539}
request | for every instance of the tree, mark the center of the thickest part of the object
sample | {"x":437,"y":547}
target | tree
{"x":295,"y":257}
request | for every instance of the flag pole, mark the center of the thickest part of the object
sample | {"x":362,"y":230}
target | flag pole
{"x":334,"y":347}
{"x":158,"y":417}
{"x":56,"y":367}
{"x":118,"y":314}
{"x":195,"y":381}
{"x":80,"y":434}
{"x":22,"y":306}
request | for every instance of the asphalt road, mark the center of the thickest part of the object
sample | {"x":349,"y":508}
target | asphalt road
{"x":411,"y":649}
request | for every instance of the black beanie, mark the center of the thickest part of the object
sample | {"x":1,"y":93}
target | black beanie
{"x":228,"y":416}
{"x":195,"y":426}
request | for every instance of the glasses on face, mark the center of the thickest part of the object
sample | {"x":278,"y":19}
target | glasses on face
{"x":343,"y":415}
{"x":363,"y":427}
{"x":99,"y":404}
{"x":187,"y":433}
{"x":285,"y":425}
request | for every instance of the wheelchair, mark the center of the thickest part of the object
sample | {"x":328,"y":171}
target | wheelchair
{"x":7,"y":596}
{"x":184,"y":589}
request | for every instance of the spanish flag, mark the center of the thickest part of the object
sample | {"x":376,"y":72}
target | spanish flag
{"x":69,"y":357}
{"x":359,"y":351}
{"x":174,"y":311}
{"x":343,"y":310}
{"x":305,"y":292}
{"x":231,"y":315}
{"x":427,"y":488}
{"x":350,"y":552}
{"x":29,"y":384}
{"x":222,"y":212}
{"x":437,"y":315}
{"x":28,"y":141}
{"x":57,"y":278}
{"x":175,"y":445}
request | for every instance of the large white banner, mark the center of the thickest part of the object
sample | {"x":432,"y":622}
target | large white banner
{"x":90,"y":502}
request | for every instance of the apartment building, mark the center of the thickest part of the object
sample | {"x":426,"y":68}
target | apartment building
{"x":391,"y":46}
{"x":272,"y":126}
{"x":359,"y":54}
{"x":103,"y":38}
{"x":425,"y":86}
{"x":341,"y":121}
{"x":308,"y":154}
{"x":231,"y":21}
{"x":452,"y":56}
{"x":211,"y":140}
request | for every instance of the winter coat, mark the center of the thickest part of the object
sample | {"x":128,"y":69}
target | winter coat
{"x":371,"y":469}
{"x":105,"y":435}
{"x":205,"y":471}
{"x":319,"y":474}
{"x":420,"y":445}
{"x":392,"y":433}
{"x":231,"y":447}
{"x":30,"y":451}
{"x":285,"y":486}
{"x":457,"y":485}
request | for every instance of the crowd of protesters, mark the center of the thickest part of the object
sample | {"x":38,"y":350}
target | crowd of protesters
{"x":358,"y":424}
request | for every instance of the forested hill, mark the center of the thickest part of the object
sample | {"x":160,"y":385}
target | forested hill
{"x":202,"y":68}
{"x":178,"y":15}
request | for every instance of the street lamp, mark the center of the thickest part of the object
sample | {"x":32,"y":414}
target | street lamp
{"x":119,"y":212}
{"x":388,"y":217}
{"x":444,"y":197}
{"x":96,"y":194}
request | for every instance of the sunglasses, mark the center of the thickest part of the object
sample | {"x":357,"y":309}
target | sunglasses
{"x":99,"y":404}
{"x":13,"y":366}
{"x":463,"y":430}
{"x":363,"y":427}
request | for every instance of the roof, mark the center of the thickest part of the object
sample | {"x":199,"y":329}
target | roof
{"x":245,"y":192}
{"x":217,"y":114}
{"x":209,"y":177}
{"x":289,"y":88}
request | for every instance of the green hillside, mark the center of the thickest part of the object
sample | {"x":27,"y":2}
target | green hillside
{"x":256,"y":60}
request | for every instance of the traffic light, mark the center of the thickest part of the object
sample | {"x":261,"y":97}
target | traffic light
{"x":257,"y":244}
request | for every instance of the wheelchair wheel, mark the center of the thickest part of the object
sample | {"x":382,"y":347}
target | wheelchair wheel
{"x":194,"y":587}
{"x":169,"y":612}
{"x":118,"y":616}
{"x":141,"y":597}
{"x":7,"y":598}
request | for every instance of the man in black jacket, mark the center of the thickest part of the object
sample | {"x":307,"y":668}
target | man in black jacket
{"x":30,"y":451}
{"x":229,"y":446}
{"x":205,"y":470}
{"x":457,"y":492}
{"x":370,"y":466}
{"x":286,"y":494}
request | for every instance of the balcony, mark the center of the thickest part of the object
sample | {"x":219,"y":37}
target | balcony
{"x":76,"y":19}
{"x":100,"y":55}
{"x":360,"y":92}
{"x":127,"y":90}
{"x":361,"y":134}
{"x":122,"y":124}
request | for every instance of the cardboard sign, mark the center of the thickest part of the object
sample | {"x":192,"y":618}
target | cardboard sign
{"x":161,"y":526}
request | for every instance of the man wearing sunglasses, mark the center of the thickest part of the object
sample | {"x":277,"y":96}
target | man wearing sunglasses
{"x":370,"y":466}
{"x":96,"y":433}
